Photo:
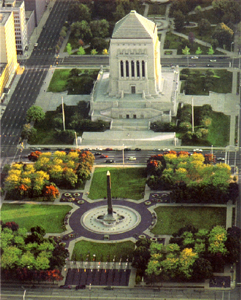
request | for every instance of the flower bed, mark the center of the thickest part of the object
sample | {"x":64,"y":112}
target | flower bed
{"x":147,"y":202}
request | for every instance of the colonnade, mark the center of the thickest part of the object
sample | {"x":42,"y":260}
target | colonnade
{"x":133,"y":69}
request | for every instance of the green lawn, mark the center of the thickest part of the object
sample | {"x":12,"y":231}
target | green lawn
{"x":171,"y":219}
{"x":50,"y":217}
{"x":173,"y":41}
{"x":222,"y":81}
{"x":102,"y":250}
{"x":219,"y":130}
{"x":58,"y":81}
{"x":125,"y":183}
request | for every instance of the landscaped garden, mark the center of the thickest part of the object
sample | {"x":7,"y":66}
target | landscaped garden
{"x":50,"y":217}
{"x":210,"y":127}
{"x":171,"y":219}
{"x":201,"y":82}
{"x":102,"y":251}
{"x":75,"y":81}
{"x":125,"y":183}
{"x":49,"y":171}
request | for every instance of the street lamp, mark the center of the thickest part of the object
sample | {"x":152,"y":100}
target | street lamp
{"x":123,"y":154}
{"x":232,"y":55}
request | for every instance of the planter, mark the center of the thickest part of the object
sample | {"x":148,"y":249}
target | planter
{"x":67,"y":194}
{"x":142,"y":236}
{"x":81,"y":202}
{"x":153,"y":239}
{"x":147,"y":202}
{"x":76,"y":194}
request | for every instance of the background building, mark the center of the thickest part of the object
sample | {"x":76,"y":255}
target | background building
{"x":38,"y":6}
{"x":8,"y":55}
{"x":20,"y":27}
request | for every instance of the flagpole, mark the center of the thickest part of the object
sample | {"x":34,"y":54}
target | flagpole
{"x":63,"y":113}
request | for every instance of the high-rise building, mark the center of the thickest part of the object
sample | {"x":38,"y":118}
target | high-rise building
{"x":8,"y":55}
{"x":18,"y":9}
{"x":38,"y":6}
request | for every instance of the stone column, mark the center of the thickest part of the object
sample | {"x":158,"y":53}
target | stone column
{"x":109,"y":200}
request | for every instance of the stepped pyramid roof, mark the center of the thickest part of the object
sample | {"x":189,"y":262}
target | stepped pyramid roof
{"x":133,"y":26}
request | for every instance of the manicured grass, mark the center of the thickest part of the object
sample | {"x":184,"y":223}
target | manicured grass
{"x":125,"y":183}
{"x":50,"y":217}
{"x":222,"y":81}
{"x":219,"y":130}
{"x":173,"y":41}
{"x":171,"y":219}
{"x":80,"y":84}
{"x":59,"y":80}
{"x":103,"y":251}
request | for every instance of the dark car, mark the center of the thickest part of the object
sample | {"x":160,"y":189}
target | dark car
{"x":137,"y":149}
{"x":108,"y":149}
{"x":103,"y":156}
{"x":110,"y":161}
{"x":127,"y":149}
{"x":97,"y":153}
{"x":210,"y":66}
{"x":69,"y":287}
{"x":80,"y":287}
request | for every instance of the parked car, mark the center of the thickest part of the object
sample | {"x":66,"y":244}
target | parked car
{"x":108,"y":149}
{"x":220,"y":159}
{"x":212,"y":60}
{"x":97,"y":153}
{"x":80,"y":287}
{"x":132,"y":158}
{"x":69,"y":287}
{"x":197,"y":150}
{"x":210,"y":66}
{"x":194,"y":57}
{"x":127,"y":149}
{"x":110,"y":161}
{"x":166,"y":149}
{"x":103,"y":156}
{"x":137,"y":149}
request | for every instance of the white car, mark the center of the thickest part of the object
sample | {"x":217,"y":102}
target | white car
{"x":197,"y":150}
{"x":132,"y":158}
{"x":212,"y":60}
{"x":166,"y":149}
{"x":194,"y":57}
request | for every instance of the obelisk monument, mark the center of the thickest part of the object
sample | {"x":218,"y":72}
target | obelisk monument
{"x":109,"y":200}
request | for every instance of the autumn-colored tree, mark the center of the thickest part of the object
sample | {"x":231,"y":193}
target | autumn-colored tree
{"x":51,"y":192}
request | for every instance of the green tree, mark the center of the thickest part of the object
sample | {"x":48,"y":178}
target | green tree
{"x":70,"y":177}
{"x":204,"y":26}
{"x":223,"y":34}
{"x":81,"y":51}
{"x":211,"y":51}
{"x":198,"y":51}
{"x":119,"y":12}
{"x":35,"y":114}
{"x":217,"y":238}
{"x":10,"y":257}
{"x":81,"y":30}
{"x":179,"y":20}
{"x":100,"y":28}
{"x":69,"y":48}
{"x":186,"y":51}
{"x":28,"y":132}
{"x":202,"y":269}
{"x":93,"y":52}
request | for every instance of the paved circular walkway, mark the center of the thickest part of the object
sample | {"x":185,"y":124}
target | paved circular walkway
{"x":80,"y":231}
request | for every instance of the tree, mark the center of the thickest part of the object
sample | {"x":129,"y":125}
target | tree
{"x":93,"y":52}
{"x":186,"y":51}
{"x":69,"y":48}
{"x":217,"y":238}
{"x":35,"y":114}
{"x":202,"y":269}
{"x":99,"y":43}
{"x":28,"y":132}
{"x":81,"y":30}
{"x":179,"y":20}
{"x":105,"y":52}
{"x":198,"y":51}
{"x":211,"y":51}
{"x":191,"y":38}
{"x":81,"y":51}
{"x":100,"y":28}
{"x":10,"y":257}
{"x":223,"y":34}
{"x":204,"y":26}
{"x":119,"y":12}
{"x":70,"y":177}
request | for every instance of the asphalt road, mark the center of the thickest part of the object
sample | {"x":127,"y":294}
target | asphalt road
{"x":32,"y":79}
{"x":125,"y":294}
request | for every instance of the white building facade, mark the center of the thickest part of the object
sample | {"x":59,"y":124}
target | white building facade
{"x":20,"y":26}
